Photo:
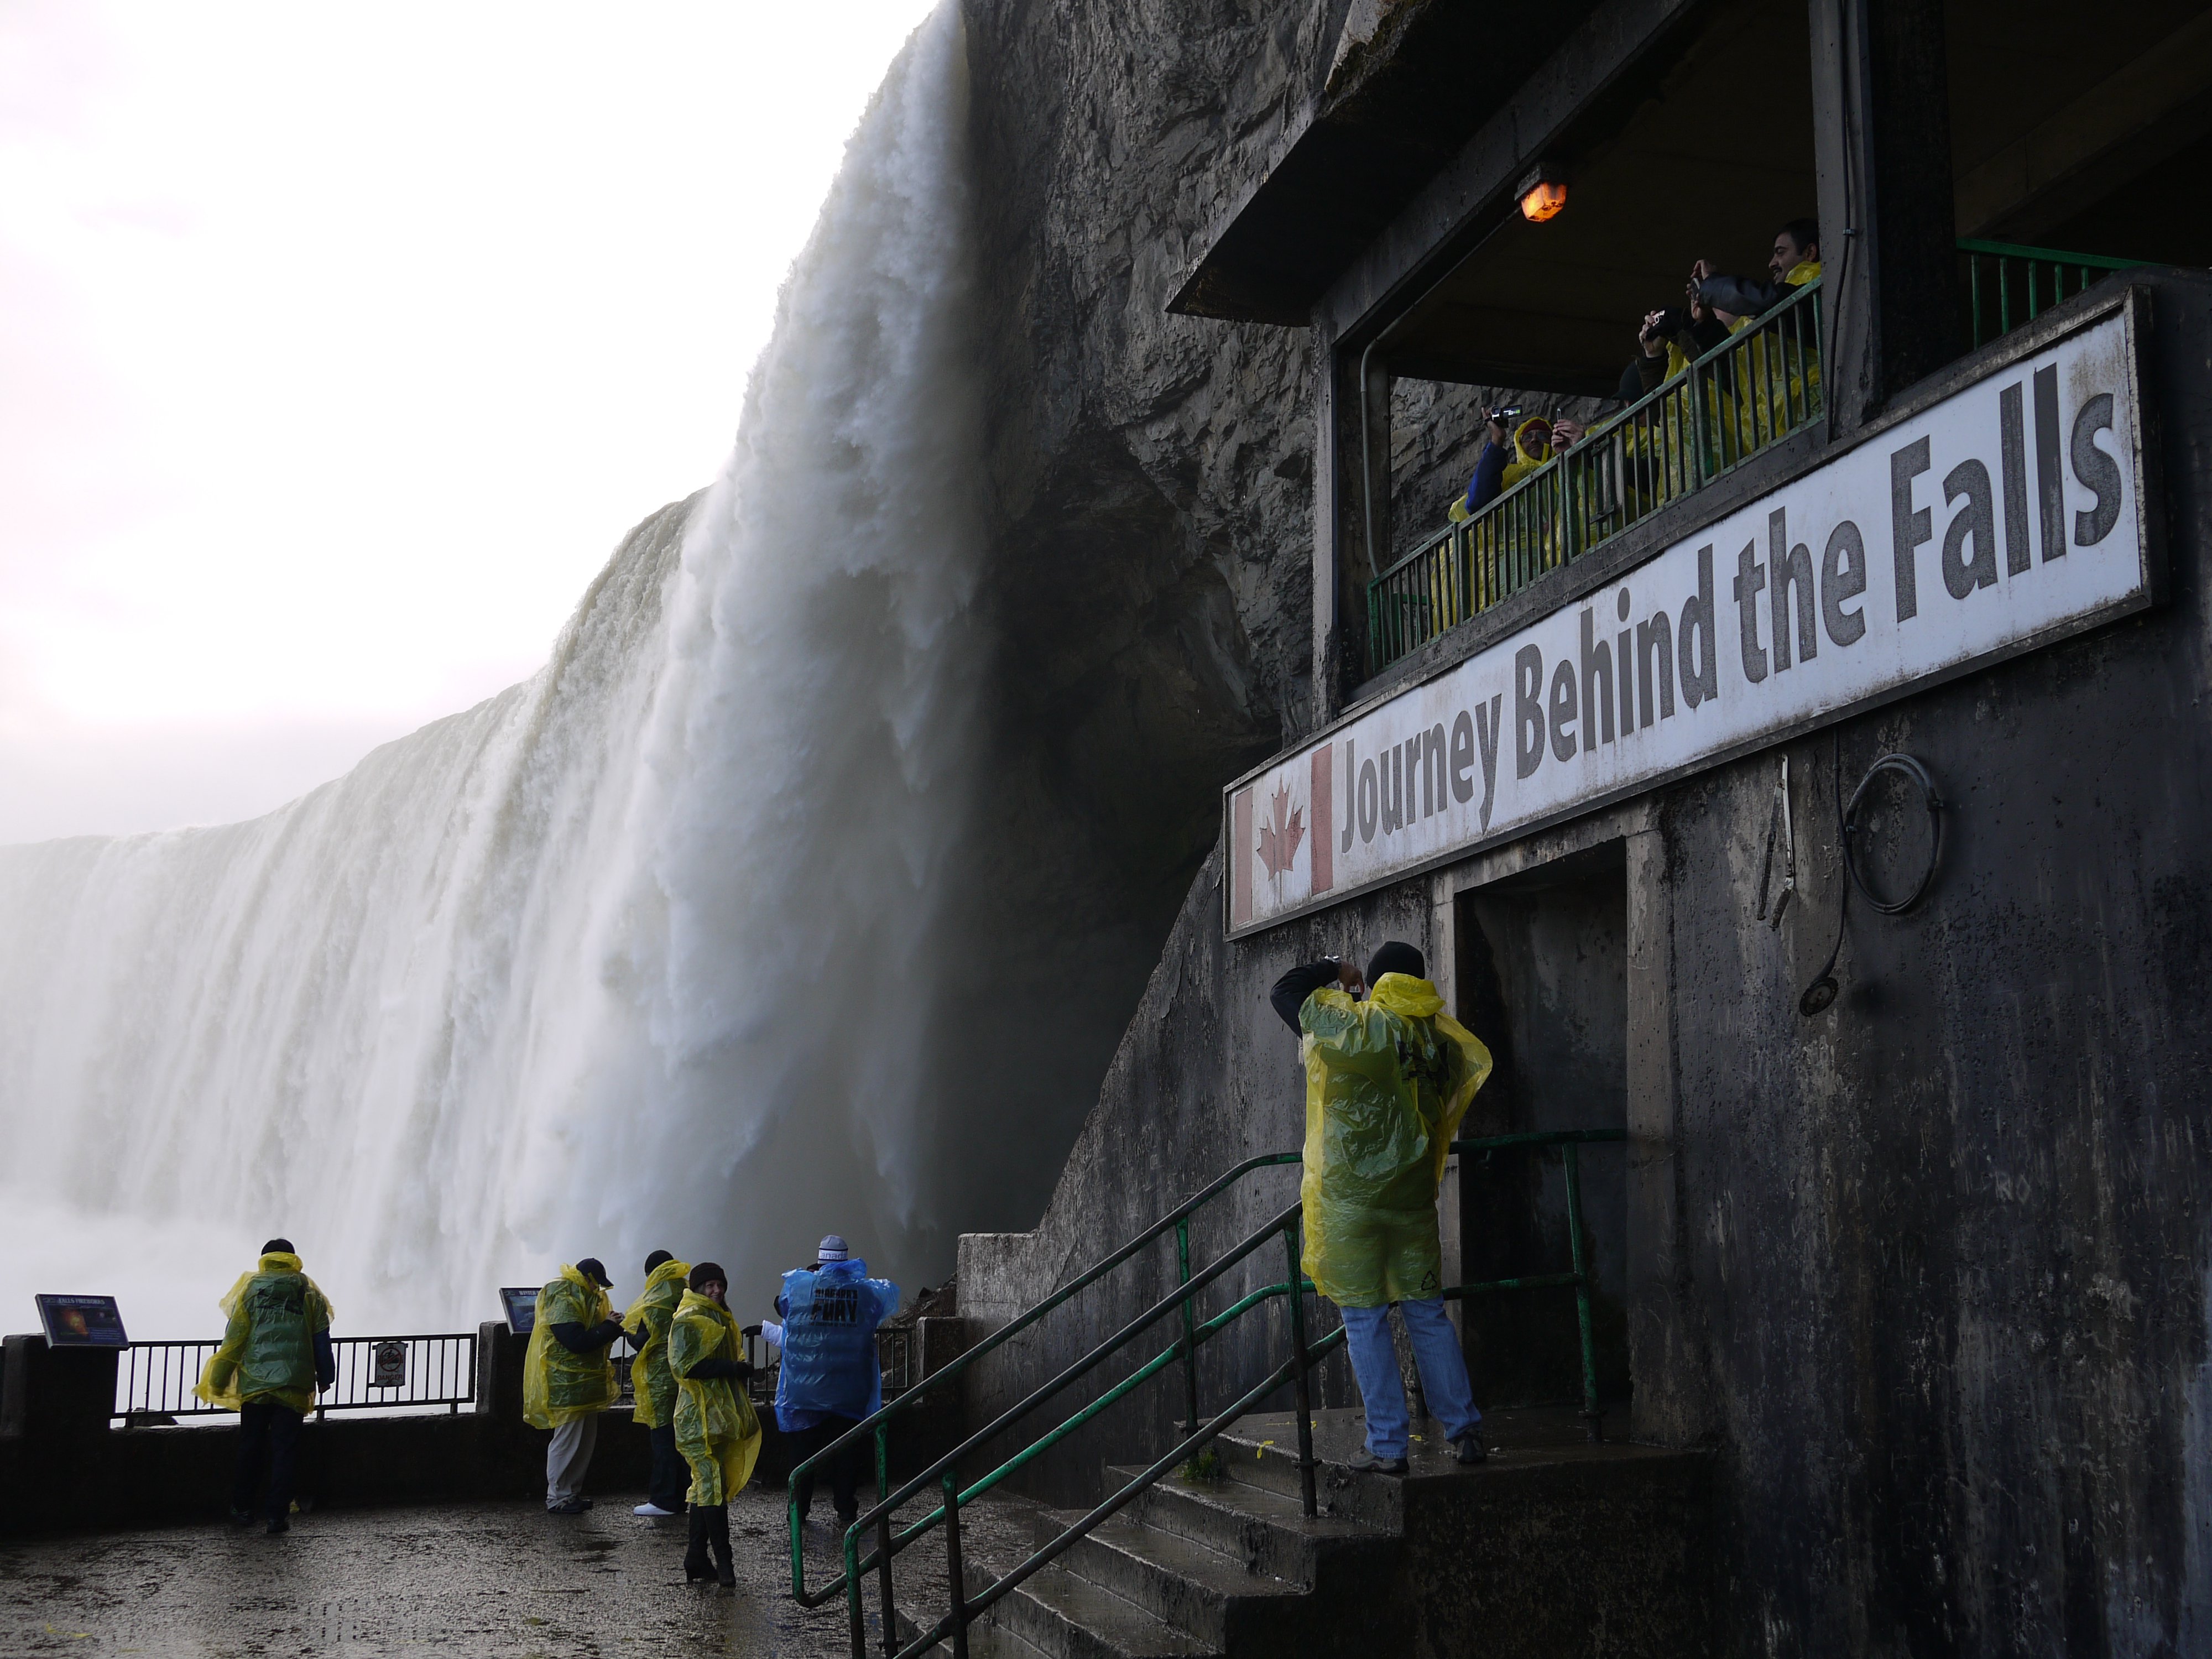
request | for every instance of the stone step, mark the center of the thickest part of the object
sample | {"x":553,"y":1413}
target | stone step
{"x":986,"y":1639}
{"x":1198,"y":1590}
{"x":1069,"y":1617}
{"x":1264,"y":1530}
{"x":1264,"y":1454}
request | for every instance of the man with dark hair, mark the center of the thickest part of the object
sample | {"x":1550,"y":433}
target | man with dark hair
{"x":275,"y":1357}
{"x":1388,"y":1076}
{"x":1794,"y":261}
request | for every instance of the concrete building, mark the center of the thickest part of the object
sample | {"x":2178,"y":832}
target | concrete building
{"x":1907,"y":1238}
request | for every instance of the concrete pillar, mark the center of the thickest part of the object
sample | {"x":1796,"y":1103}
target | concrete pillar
{"x":1882,"y":147}
{"x":1328,"y":587}
{"x":1667,"y":1405}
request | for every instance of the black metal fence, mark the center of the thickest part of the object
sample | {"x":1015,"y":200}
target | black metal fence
{"x":154,"y":1380}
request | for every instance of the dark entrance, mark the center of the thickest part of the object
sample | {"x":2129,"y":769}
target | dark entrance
{"x":1542,"y":978}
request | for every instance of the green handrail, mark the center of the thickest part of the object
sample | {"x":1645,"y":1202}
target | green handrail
{"x":2042,"y":273}
{"x":1295,"y":1370}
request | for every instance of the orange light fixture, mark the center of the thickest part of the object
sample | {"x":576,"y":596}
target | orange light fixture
{"x":1542,"y":199}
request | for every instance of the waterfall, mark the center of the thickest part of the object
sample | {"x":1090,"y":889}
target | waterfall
{"x":643,"y":952}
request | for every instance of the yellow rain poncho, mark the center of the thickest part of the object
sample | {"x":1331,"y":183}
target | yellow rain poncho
{"x":1386,"y":1083}
{"x":268,"y":1350}
{"x":716,"y":1429}
{"x":651,"y":1382}
{"x":558,"y":1386}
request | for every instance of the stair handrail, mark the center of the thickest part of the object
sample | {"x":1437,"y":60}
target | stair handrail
{"x":1296,"y":1369}
{"x":878,"y":1424}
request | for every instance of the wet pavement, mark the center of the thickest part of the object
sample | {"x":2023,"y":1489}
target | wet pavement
{"x":503,"y":1579}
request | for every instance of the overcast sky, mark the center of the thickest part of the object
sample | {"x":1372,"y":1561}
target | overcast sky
{"x":340,"y":342}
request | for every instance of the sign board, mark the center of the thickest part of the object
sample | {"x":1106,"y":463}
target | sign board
{"x":82,"y":1321}
{"x":521,"y":1304}
{"x":388,"y":1365}
{"x":2008,"y":515}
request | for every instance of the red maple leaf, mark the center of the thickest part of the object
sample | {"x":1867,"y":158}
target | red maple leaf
{"x":1278,"y":841}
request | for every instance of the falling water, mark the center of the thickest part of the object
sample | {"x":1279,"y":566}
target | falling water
{"x":638,"y":953}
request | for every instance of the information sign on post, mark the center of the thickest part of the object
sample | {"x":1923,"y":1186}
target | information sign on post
{"x":83,"y":1321}
{"x":521,"y":1303}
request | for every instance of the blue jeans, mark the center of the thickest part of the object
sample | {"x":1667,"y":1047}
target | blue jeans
{"x":1436,"y":1355}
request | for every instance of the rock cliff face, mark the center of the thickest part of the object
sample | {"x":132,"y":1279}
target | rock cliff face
{"x":1151,"y":477}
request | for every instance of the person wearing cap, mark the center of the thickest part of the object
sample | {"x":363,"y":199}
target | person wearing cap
{"x":1388,"y":1076}
{"x":830,"y":1377}
{"x":653,"y":1385}
{"x":568,"y":1379}
{"x":274,"y":1358}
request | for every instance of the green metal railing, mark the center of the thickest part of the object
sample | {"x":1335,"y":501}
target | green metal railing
{"x":1746,"y":394}
{"x":2008,"y":285}
{"x":1294,"y":1370}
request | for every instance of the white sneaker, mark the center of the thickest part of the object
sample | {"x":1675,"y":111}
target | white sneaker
{"x":653,"y":1510}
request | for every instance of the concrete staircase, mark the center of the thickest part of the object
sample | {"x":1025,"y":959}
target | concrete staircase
{"x":1553,"y":1548}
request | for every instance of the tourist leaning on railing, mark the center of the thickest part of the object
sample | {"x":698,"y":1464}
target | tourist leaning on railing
{"x":1509,"y":456}
{"x":831,"y":1375}
{"x":1794,"y":262}
{"x":274,"y":1356}
{"x":568,"y":1379}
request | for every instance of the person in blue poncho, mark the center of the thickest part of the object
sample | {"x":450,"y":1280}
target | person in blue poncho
{"x":830,"y":1377}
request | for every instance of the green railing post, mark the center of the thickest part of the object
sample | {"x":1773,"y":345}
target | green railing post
{"x":883,"y":1538}
{"x":1593,"y":1419}
{"x":954,"y":1574}
{"x":1189,"y":1323}
{"x":1304,"y":1388}
{"x":856,"y":1615}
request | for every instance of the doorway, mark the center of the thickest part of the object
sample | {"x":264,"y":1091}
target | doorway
{"x":1543,"y":981}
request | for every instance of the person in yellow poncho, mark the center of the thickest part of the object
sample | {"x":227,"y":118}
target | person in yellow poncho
{"x":274,"y":1356}
{"x":653,"y":1385}
{"x":1387,"y":1079}
{"x":715,"y":1426}
{"x":568,"y":1379}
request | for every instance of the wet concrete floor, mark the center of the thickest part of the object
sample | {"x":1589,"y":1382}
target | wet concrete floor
{"x":501,"y":1579}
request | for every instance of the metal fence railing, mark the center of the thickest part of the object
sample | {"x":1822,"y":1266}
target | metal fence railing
{"x":154,"y":1380}
{"x":1747,"y":393}
{"x":898,"y":1351}
{"x":374,"y":1373}
{"x":2008,"y":285}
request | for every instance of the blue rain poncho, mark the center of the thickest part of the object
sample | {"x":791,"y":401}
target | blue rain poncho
{"x":830,"y":1366}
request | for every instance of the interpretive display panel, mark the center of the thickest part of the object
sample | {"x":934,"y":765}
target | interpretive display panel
{"x":2006,"y":516}
{"x":83,"y":1321}
{"x":521,"y":1306}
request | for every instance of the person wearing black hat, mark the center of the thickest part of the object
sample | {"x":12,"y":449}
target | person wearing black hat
{"x":275,"y":1357}
{"x":830,"y":1377}
{"x":1388,"y":1076}
{"x":568,"y":1380}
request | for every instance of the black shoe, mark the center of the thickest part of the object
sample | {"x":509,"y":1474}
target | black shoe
{"x":1469,"y":1448}
{"x":1365,"y":1462}
{"x":696,"y":1570}
{"x":718,"y":1540}
{"x":569,"y":1506}
{"x":277,"y":1523}
{"x":241,"y":1517}
{"x":845,"y":1519}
